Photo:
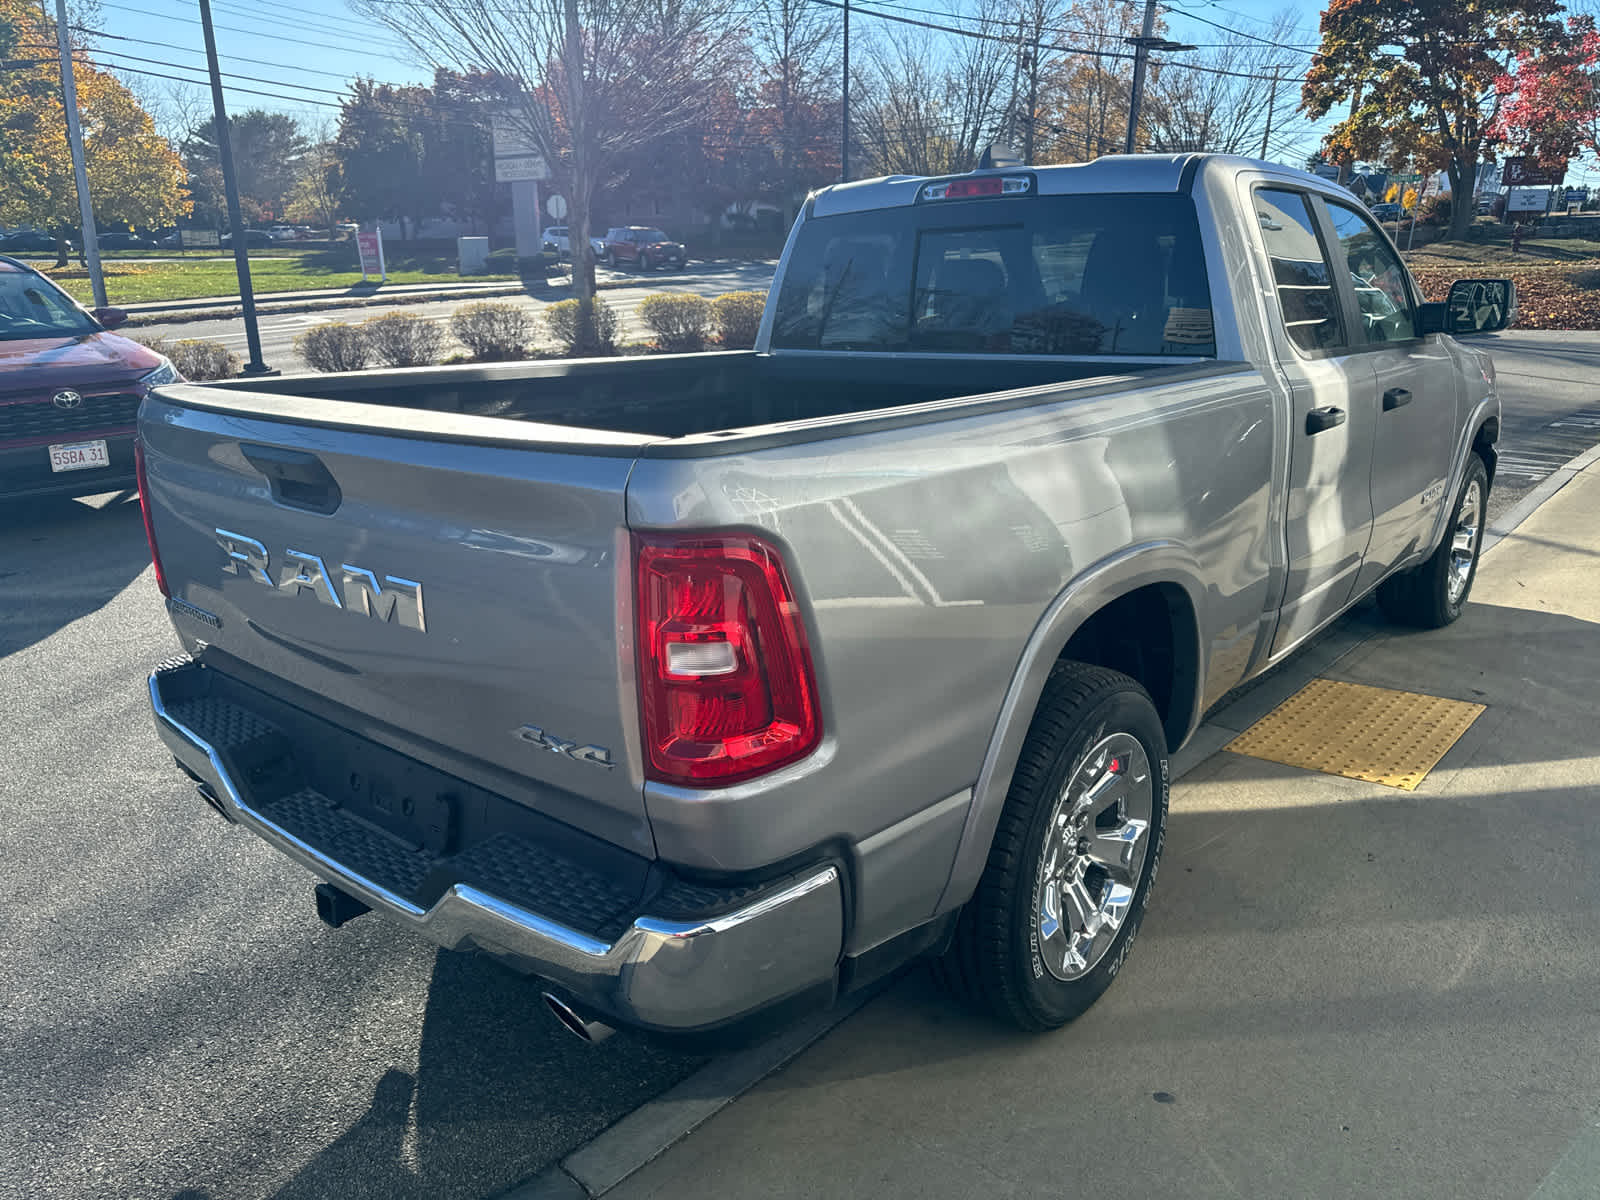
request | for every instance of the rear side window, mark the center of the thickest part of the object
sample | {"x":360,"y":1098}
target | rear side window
{"x":1299,"y":269}
{"x":1070,"y":275}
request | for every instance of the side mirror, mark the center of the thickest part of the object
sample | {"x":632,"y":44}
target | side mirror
{"x":1481,"y":305}
{"x":109,"y":317}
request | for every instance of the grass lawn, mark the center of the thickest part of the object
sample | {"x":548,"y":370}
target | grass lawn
{"x":132,"y":280}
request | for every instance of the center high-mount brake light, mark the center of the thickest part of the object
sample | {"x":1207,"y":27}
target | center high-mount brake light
{"x":726,"y":687}
{"x":978,"y":185}
{"x":145,"y":510}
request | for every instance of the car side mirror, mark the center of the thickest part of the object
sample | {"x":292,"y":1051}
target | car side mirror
{"x":1481,"y":305}
{"x":109,"y":317}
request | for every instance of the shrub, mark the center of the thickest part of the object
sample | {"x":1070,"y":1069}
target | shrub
{"x":581,"y":332}
{"x":680,"y":320}
{"x":738,"y":316}
{"x":404,"y":339}
{"x":197,"y":359}
{"x":492,"y":332}
{"x":1436,"y":210}
{"x":335,"y":346}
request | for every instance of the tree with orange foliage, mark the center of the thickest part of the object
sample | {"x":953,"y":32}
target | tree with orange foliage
{"x":135,"y":177}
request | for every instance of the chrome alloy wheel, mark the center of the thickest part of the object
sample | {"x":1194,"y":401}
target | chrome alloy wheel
{"x":1094,"y":851}
{"x":1464,"y":542}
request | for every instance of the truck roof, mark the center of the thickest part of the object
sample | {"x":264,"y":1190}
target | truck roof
{"x":1109,"y":173}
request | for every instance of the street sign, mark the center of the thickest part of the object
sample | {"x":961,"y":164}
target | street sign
{"x":1529,"y":172}
{"x":556,"y":206}
{"x":1411,"y":178}
{"x":369,"y":245}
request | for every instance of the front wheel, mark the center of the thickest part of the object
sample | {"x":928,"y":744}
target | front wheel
{"x":1434,"y":594}
{"x":1073,"y":859}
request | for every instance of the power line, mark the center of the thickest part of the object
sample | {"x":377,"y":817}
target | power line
{"x":257,"y":62}
{"x":144,"y":12}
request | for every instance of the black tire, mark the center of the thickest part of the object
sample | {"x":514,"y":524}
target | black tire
{"x":995,"y":961}
{"x":1424,"y":596}
{"x":611,"y":259}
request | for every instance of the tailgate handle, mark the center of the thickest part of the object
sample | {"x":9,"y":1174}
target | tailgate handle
{"x":298,"y":479}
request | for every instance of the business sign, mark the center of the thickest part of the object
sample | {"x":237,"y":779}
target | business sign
{"x":516,"y":153}
{"x":197,"y":239}
{"x":369,"y":245}
{"x":1530,"y":172}
{"x":1526,"y":200}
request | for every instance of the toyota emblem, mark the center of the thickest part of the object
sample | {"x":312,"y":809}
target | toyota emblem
{"x":67,"y":400}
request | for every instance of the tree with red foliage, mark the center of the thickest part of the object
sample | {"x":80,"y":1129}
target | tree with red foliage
{"x":1550,"y":99}
{"x":1419,"y":76}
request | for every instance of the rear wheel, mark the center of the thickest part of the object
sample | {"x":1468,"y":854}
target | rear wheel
{"x":1073,"y":859}
{"x":1434,"y":594}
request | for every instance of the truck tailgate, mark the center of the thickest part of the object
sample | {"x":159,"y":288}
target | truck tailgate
{"x":461,"y":594}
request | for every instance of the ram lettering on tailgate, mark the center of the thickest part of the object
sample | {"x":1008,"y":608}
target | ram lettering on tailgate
{"x":396,"y":599}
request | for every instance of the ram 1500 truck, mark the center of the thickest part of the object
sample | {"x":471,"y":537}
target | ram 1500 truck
{"x":708,"y":687}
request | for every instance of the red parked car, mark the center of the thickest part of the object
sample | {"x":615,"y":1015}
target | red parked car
{"x":635,"y":245}
{"x":69,"y":390}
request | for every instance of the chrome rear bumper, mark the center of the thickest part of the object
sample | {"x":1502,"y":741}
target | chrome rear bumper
{"x":660,"y":974}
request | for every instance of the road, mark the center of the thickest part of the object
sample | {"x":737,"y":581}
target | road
{"x":176,"y":1021}
{"x":278,"y":332}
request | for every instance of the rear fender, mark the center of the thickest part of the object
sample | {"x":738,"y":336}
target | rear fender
{"x":1136,"y":567}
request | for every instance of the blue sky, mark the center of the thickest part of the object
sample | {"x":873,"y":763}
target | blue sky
{"x":304,"y":51}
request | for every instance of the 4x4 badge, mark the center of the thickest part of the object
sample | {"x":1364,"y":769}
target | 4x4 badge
{"x":598,"y":755}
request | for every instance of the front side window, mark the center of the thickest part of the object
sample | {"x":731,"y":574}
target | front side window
{"x":1059,"y":275}
{"x":1300,"y":269}
{"x":31,"y":307}
{"x":1377,"y":276}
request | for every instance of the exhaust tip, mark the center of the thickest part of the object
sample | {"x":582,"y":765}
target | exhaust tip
{"x":592,"y":1032}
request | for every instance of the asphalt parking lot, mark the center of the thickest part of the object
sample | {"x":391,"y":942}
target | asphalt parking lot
{"x":177,"y":1023}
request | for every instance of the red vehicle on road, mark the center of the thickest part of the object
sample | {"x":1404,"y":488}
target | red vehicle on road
{"x":636,"y":245}
{"x":69,"y":390}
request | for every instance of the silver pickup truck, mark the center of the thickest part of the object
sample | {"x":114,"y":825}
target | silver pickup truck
{"x":706,"y":688}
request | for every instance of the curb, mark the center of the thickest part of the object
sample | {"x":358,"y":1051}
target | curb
{"x":608,"y":1159}
{"x":267,"y":308}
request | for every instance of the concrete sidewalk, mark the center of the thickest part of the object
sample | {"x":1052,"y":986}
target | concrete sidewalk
{"x":1342,"y":988}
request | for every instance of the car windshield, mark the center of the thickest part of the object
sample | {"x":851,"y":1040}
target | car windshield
{"x":30,"y":307}
{"x":1060,"y":275}
{"x":651,"y":236}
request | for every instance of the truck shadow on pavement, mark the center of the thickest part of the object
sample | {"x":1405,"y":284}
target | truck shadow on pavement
{"x":63,"y":559}
{"x":500,"y":1092}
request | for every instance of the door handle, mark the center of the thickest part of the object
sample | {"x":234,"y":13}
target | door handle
{"x":1395,"y":398}
{"x":1320,"y":419}
{"x":297,"y":479}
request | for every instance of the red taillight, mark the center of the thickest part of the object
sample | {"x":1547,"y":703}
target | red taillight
{"x":144,"y":507}
{"x":726,"y":687}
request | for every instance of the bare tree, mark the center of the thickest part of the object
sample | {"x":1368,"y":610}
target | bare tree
{"x":1083,"y":108}
{"x":586,"y":80}
{"x":925,"y":108}
{"x":1036,"y":23}
{"x":797,"y":53}
{"x":1240,"y":97}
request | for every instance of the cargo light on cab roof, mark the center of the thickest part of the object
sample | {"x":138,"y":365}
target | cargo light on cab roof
{"x":982,"y":185}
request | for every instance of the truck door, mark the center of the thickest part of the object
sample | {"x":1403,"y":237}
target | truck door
{"x":1329,"y":515}
{"x":1413,"y":397}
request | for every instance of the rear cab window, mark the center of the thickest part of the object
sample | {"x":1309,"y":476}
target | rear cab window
{"x":1038,"y":275}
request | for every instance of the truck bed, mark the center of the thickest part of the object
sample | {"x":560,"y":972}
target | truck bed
{"x":681,"y":396}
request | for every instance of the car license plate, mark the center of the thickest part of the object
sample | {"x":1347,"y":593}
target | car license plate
{"x":77,"y":456}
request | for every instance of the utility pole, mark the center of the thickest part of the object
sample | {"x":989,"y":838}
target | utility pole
{"x":1141,"y":53}
{"x":1272,"y":96}
{"x":80,"y":171}
{"x":1142,"y":45}
{"x":844,"y":145}
{"x":230,"y":186}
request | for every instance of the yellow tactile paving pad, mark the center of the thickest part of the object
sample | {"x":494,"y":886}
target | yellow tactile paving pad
{"x":1360,"y":732}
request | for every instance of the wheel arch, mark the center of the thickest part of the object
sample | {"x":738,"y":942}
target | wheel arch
{"x":1153,"y":588}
